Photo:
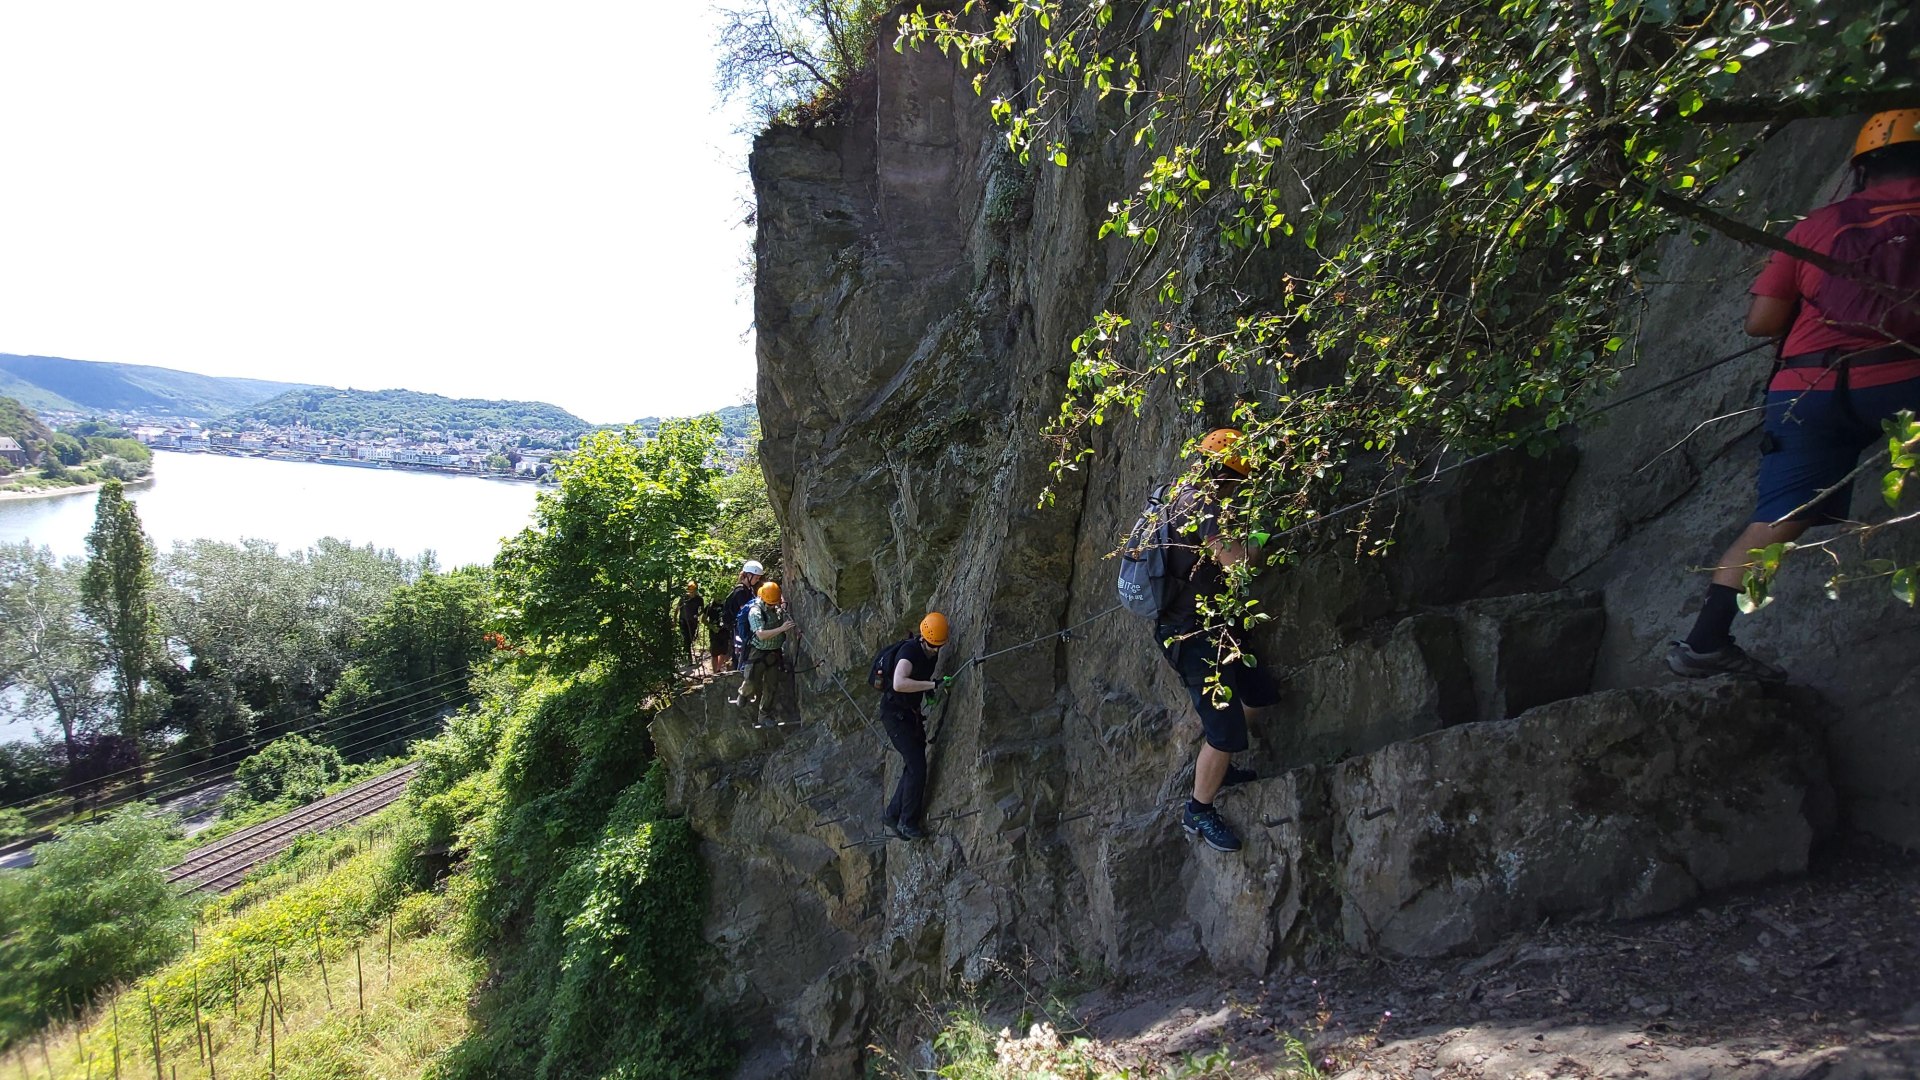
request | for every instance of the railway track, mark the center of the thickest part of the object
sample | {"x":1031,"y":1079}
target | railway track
{"x":224,"y":863}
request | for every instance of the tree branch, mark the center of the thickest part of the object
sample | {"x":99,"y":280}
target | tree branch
{"x":1778,"y":107}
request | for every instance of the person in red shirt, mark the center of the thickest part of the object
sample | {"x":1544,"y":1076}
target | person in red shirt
{"x":1851,"y":359}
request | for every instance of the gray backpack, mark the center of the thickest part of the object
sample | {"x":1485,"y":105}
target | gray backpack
{"x":1144,"y":586}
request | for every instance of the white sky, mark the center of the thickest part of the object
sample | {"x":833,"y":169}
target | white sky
{"x":476,"y":199}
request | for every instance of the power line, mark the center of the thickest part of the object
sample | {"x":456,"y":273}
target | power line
{"x":385,"y":705}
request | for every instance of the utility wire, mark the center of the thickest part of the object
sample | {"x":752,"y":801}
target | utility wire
{"x":384,"y":706}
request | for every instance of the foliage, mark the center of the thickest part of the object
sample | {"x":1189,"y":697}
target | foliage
{"x":288,"y":768}
{"x":409,"y":414}
{"x":1456,"y":203}
{"x":19,"y":422}
{"x":597,"y":574}
{"x":47,"y":650}
{"x":13,"y":826}
{"x":587,"y":896}
{"x":746,"y":527}
{"x":117,"y":593}
{"x":262,"y":636}
{"x":95,"y":908}
{"x":796,"y":59}
{"x":413,"y":655}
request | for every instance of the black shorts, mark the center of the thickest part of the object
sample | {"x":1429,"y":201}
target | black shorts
{"x":1194,"y":657}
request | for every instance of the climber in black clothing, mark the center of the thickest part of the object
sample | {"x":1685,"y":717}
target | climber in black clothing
{"x":688,"y":616}
{"x":1197,"y":565}
{"x":906,"y":727}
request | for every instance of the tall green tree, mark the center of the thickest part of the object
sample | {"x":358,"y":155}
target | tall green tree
{"x":117,"y":592}
{"x":47,"y":651}
{"x":595,"y":578}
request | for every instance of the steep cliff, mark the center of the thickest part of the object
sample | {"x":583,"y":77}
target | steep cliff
{"x":1477,"y":734}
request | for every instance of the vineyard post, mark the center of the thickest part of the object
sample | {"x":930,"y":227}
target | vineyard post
{"x":389,"y":948}
{"x":213,"y":1059}
{"x":273,"y":1055}
{"x":153,"y":1018}
{"x":279,"y":994}
{"x":320,"y":951}
{"x":199,"y":1049}
{"x":45,"y":1057}
{"x":236,"y":988}
{"x":359,"y":978}
{"x":116,"y":1037}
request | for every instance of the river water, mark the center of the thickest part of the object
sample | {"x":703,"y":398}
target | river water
{"x":461,"y":519}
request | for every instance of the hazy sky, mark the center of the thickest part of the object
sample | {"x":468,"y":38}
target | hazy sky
{"x":475,"y":199}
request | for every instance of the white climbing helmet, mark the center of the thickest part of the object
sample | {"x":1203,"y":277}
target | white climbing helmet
{"x":753,"y":567}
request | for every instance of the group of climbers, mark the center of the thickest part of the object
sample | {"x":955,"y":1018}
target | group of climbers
{"x":761,"y":628}
{"x":1850,"y":316}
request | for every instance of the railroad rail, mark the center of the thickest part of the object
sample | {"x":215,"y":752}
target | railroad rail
{"x":224,"y":863}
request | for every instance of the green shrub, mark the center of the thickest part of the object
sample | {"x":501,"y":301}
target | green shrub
{"x":288,"y":769}
{"x":94,"y":909}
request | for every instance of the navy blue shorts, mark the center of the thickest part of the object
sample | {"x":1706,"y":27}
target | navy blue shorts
{"x":1194,"y":657}
{"x":1813,"y":439}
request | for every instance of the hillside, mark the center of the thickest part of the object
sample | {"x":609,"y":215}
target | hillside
{"x":403,"y":412}
{"x":51,"y":383}
{"x":736,"y":421}
{"x":18,"y":421}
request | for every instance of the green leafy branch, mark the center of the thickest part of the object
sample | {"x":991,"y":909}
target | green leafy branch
{"x":1465,"y":196}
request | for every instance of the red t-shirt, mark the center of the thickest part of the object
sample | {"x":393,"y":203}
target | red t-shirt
{"x":1788,"y":278}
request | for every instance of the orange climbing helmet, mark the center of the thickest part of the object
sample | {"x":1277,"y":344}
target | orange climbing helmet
{"x":934,"y":628}
{"x":769,"y":593}
{"x":1884,"y":129}
{"x":1217,"y":445}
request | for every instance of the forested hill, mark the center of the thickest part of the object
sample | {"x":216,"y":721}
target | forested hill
{"x":736,"y":421}
{"x":51,"y":383}
{"x":405,"y":412}
{"x":18,"y":421}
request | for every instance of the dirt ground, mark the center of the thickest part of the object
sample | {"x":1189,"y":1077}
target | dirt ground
{"x":1818,"y":977}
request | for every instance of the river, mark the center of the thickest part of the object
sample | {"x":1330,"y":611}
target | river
{"x":461,"y":519}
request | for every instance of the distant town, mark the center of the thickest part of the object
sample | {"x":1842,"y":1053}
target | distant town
{"x":525,"y":454}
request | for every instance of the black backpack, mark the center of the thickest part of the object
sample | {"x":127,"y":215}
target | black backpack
{"x":880,"y":674}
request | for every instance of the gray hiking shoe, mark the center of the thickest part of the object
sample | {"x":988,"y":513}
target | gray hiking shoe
{"x":1208,"y":826}
{"x":1731,"y":660}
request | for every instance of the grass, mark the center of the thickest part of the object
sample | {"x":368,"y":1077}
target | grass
{"x":328,"y":897}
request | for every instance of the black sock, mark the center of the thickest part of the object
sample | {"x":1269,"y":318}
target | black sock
{"x":1711,"y":631}
{"x":1195,"y":806}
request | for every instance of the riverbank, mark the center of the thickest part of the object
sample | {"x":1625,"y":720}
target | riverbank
{"x":9,"y":494}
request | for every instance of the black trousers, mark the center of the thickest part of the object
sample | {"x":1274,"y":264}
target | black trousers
{"x":907,"y":730}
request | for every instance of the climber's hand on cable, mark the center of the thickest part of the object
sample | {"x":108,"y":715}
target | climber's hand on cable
{"x":945,"y":681}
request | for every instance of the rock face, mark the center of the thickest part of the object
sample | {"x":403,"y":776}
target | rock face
{"x":1477,"y":733}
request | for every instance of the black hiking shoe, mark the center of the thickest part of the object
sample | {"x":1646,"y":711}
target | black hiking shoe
{"x":1730,"y":660}
{"x":1238,"y":775}
{"x":1208,"y":826}
{"x":907,"y":830}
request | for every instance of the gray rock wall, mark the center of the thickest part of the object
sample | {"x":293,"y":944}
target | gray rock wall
{"x":1477,"y":734}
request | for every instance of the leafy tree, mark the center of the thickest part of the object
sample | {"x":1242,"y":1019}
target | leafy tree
{"x":288,"y":769}
{"x":117,"y":593}
{"x":67,"y":448}
{"x":596,"y":576}
{"x":94,"y":909}
{"x":788,"y":55}
{"x":1453,"y":208}
{"x":47,"y":651}
{"x":412,"y":657}
{"x":266,"y":634}
{"x":746,"y":528}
